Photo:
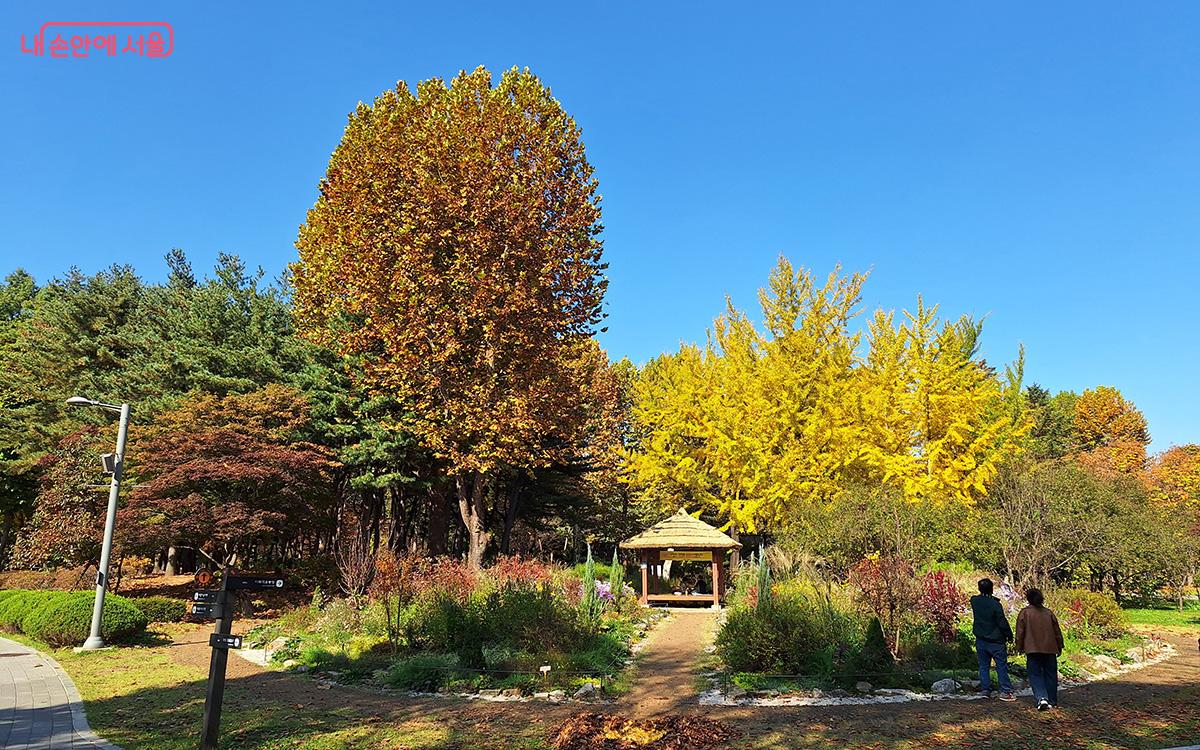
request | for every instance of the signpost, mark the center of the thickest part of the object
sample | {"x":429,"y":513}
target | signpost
{"x":219,"y":605}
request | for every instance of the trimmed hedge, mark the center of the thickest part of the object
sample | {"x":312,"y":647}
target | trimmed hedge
{"x":161,"y":608}
{"x":63,"y":618}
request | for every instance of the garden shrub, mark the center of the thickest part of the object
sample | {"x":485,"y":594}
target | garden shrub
{"x":600,"y":654}
{"x":12,"y":608}
{"x":935,"y":654}
{"x":941,"y":601}
{"x":162,"y":608}
{"x":423,"y":672}
{"x":1088,"y":614}
{"x":18,"y":609}
{"x":793,"y":634}
{"x":66,"y":620}
{"x":874,"y":659}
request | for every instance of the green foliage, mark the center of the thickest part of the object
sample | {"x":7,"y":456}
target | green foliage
{"x":933,"y":653}
{"x":616,"y":579}
{"x":161,"y":608}
{"x":422,"y":672}
{"x":523,"y":619}
{"x":763,"y":587}
{"x":801,"y":633}
{"x":1087,"y":614}
{"x":62,"y":618}
{"x":589,"y":602}
{"x":874,"y":658}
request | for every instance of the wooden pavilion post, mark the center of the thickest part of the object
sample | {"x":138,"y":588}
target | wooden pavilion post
{"x":645,"y":578}
{"x":716,"y":577}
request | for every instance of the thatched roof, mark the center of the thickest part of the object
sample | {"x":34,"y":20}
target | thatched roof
{"x":680,"y":531}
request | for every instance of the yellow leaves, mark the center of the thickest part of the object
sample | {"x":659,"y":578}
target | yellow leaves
{"x":794,"y":414}
{"x":1110,"y":431}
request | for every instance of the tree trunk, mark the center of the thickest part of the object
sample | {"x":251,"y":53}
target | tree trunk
{"x":510,"y":516}
{"x":438,"y":522}
{"x":472,"y":506}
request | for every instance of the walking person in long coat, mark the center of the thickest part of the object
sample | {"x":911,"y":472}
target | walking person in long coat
{"x":1040,"y":638}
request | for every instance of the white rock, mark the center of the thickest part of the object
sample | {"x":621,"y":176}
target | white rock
{"x":1106,"y":663}
{"x":863,"y":686}
{"x":944,"y":687}
{"x":585,"y":690}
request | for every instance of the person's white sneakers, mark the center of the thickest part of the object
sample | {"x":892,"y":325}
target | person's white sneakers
{"x":1043,"y":705}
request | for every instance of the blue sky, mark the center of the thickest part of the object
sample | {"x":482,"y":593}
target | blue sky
{"x":1038,"y":165}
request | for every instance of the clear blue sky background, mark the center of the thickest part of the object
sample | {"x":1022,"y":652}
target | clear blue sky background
{"x":1038,"y":165}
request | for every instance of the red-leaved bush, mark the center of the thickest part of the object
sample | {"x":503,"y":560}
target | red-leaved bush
{"x":516,"y":571}
{"x":887,"y":585}
{"x":941,"y":602}
{"x":454,"y":578}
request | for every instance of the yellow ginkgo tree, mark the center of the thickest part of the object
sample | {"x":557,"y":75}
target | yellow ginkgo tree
{"x":760,"y":422}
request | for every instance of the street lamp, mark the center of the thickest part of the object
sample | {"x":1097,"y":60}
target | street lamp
{"x":94,"y":640}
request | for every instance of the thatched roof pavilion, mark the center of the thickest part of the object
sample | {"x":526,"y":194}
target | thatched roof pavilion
{"x":681,"y":537}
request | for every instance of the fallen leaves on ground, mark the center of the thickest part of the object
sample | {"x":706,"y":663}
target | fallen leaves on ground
{"x":597,"y":731}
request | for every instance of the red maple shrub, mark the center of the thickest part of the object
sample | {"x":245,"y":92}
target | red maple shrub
{"x":888,"y":587}
{"x":941,"y":601}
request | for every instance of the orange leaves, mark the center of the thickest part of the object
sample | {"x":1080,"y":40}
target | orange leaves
{"x":454,"y":251}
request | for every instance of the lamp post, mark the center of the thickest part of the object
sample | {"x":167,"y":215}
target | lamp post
{"x":94,"y":640}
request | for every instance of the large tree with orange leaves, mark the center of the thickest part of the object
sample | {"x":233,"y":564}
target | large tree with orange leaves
{"x":1110,"y":431}
{"x":454,"y":251}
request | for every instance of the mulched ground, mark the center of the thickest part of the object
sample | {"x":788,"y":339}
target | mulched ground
{"x":594,"y":731}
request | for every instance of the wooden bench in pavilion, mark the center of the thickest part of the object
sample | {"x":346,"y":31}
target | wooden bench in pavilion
{"x":680,"y":537}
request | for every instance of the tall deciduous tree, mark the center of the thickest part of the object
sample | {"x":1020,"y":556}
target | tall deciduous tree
{"x":936,"y":421}
{"x":757,"y":427}
{"x":454,"y":248}
{"x":1110,"y":431}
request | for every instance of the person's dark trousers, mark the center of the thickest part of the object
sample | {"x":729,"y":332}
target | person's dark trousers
{"x":988,"y":652}
{"x":1043,"y":677}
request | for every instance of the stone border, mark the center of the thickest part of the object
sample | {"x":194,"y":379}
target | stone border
{"x":79,"y":720}
{"x":714,"y":696}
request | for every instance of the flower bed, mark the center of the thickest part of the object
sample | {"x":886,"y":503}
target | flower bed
{"x":441,"y":627}
{"x":888,"y":634}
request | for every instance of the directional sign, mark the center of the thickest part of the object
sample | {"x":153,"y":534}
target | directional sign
{"x":221,"y":640}
{"x":213,"y":611}
{"x":254,"y":582}
{"x":211,"y":597}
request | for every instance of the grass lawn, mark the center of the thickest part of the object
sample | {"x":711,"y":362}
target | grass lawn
{"x":151,"y":696}
{"x":1166,"y":615}
{"x":144,"y":698}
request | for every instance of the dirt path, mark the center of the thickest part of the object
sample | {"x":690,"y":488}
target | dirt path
{"x":666,"y":681}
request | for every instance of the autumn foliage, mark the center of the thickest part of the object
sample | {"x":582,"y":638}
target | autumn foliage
{"x":942,"y":602}
{"x":218,"y":474}
{"x":454,"y":252}
{"x":758,"y":424}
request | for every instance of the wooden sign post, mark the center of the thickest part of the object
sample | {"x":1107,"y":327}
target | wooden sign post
{"x":219,"y":606}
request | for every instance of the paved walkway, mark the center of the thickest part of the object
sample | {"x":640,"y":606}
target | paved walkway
{"x":39,"y":706}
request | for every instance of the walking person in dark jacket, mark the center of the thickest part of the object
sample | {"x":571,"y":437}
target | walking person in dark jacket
{"x":1040,"y":638}
{"x":992,"y":632}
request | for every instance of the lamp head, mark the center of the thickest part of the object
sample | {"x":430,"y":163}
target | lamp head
{"x":79,"y":401}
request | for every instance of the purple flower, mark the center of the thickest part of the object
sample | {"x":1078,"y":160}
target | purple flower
{"x":604,"y":591}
